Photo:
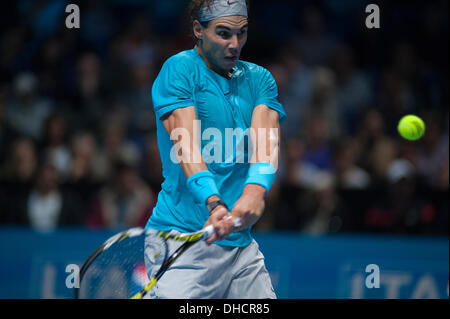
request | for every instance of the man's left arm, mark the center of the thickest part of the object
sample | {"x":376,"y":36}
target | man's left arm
{"x":265,"y":136}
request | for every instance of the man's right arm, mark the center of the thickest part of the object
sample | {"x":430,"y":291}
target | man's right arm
{"x":184,"y":120}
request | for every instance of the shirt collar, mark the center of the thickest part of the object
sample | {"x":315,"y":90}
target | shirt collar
{"x":237,"y":70}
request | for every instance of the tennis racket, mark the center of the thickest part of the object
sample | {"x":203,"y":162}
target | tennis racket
{"x":117,"y":270}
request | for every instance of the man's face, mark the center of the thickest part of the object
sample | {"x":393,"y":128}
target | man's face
{"x":223,"y":40}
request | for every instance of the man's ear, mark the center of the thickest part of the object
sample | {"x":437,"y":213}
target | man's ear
{"x":198,"y":29}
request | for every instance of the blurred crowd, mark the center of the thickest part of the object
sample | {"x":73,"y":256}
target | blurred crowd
{"x":77,"y":127}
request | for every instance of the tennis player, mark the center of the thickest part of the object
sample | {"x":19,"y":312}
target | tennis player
{"x":199,"y":97}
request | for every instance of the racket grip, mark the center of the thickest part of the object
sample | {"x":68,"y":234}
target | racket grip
{"x":237,"y":222}
{"x":209,"y":230}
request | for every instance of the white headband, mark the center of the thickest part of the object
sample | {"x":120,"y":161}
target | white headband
{"x":222,"y":8}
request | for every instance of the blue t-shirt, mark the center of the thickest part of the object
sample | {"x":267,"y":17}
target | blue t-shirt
{"x":222,"y":106}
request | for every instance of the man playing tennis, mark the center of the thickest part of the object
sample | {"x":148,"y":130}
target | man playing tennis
{"x":199,"y":97}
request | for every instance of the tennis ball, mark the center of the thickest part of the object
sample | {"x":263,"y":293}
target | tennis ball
{"x":411,"y":127}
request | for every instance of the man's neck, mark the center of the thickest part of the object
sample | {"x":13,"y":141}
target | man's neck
{"x":221,"y":72}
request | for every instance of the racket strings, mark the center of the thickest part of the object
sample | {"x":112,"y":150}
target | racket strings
{"x":130,"y":263}
{"x":155,"y":254}
{"x":117,"y":272}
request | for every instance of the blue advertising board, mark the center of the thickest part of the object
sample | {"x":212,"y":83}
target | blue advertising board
{"x":35,"y":265}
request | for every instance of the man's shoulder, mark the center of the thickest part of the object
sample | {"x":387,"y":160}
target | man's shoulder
{"x":252,"y":69}
{"x":182,"y":60}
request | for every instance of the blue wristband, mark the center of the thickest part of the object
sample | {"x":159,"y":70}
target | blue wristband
{"x":202,"y":186}
{"x":262,"y":174}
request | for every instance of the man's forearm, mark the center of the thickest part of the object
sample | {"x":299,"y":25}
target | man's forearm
{"x":254,"y":190}
{"x":265,"y":136}
{"x":265,"y":133}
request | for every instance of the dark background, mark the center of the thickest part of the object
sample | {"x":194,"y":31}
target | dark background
{"x":77,"y":126}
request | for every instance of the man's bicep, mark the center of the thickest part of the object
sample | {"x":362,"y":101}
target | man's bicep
{"x":181,"y":118}
{"x":183,"y":128}
{"x":264,"y":116}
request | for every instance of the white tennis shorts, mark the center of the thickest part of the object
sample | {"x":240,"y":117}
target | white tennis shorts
{"x":215,"y":272}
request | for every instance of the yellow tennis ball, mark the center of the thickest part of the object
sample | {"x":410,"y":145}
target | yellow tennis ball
{"x":411,"y":127}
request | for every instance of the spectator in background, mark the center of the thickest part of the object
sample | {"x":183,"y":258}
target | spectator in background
{"x":294,"y":170}
{"x":400,"y":210}
{"x":433,"y":152}
{"x":139,"y":43}
{"x":7,"y":134}
{"x":98,"y":25}
{"x":54,"y":143}
{"x":377,"y":150}
{"x":16,"y":175}
{"x":295,"y":83}
{"x":12,"y":44}
{"x":353,"y":184}
{"x":348,"y":174}
{"x":324,"y":103}
{"x":140,"y":109}
{"x":297,"y":176}
{"x":124,"y":202}
{"x":52,"y":65}
{"x":318,"y":150}
{"x":81,"y":178}
{"x":113,"y":146}
{"x":27,"y":111}
{"x":280,"y":73}
{"x":89,"y":101}
{"x":307,"y":200}
{"x":152,"y":166}
{"x":404,"y":65}
{"x":4,"y":140}
{"x":395,"y":100}
{"x":138,"y":52}
{"x":21,"y":163}
{"x":47,"y":206}
{"x":83,"y":152}
{"x":429,"y":154}
{"x":442,"y":182}
{"x":116,"y":70}
{"x":314,"y":42}
{"x":321,"y":209}
{"x":44,"y":17}
{"x":440,"y":198}
{"x":354,"y":92}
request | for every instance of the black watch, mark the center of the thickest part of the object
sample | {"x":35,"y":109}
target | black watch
{"x":214,"y":204}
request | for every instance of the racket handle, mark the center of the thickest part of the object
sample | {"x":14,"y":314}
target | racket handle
{"x":237,"y":222}
{"x":209,"y":230}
